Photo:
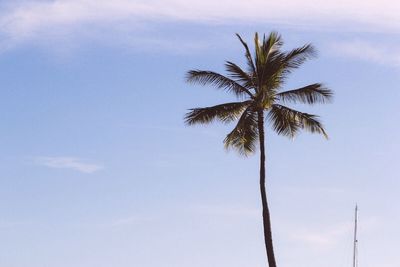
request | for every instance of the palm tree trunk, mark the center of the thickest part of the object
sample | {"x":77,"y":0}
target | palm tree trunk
{"x":266,"y":217}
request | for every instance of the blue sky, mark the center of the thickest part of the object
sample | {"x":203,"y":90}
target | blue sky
{"x":98,"y":168}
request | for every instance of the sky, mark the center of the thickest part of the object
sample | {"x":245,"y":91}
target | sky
{"x":98,"y":168}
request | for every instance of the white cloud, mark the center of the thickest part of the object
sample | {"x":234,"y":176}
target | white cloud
{"x":128,"y":221}
{"x":228,"y":211}
{"x":11,"y":224}
{"x":68,"y":163}
{"x":25,"y":21}
{"x":370,"y":52}
{"x":33,"y":14}
{"x":328,"y":236}
{"x":323,"y":238}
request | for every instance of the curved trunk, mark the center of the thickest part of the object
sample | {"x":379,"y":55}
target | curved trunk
{"x":266,"y":217}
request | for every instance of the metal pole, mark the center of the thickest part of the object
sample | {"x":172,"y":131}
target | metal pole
{"x":355,"y":238}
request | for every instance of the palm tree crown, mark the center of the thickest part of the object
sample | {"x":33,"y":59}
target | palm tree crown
{"x":259,"y":88}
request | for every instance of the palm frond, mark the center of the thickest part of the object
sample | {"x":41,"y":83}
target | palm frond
{"x":240,"y":75}
{"x":220,"y":81}
{"x":260,"y":57}
{"x":268,"y":48}
{"x":310,"y":94}
{"x":296,"y":57}
{"x":224,"y":112}
{"x":280,"y":65}
{"x":269,"y":68}
{"x":273,"y":74}
{"x":244,"y":136}
{"x":248,"y":56}
{"x":288,"y":122}
{"x":272,"y":43}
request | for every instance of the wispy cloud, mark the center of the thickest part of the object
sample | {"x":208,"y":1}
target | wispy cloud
{"x":118,"y":222}
{"x":378,"y":53}
{"x":71,"y":163}
{"x":25,"y":21}
{"x":228,"y":211}
{"x":322,"y":238}
{"x":328,"y":236}
{"x":10,"y":224}
{"x":128,"y":221}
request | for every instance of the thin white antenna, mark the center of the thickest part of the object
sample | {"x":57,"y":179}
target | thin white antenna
{"x":355,"y":252}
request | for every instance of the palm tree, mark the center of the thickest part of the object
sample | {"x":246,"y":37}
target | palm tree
{"x":259,"y":90}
